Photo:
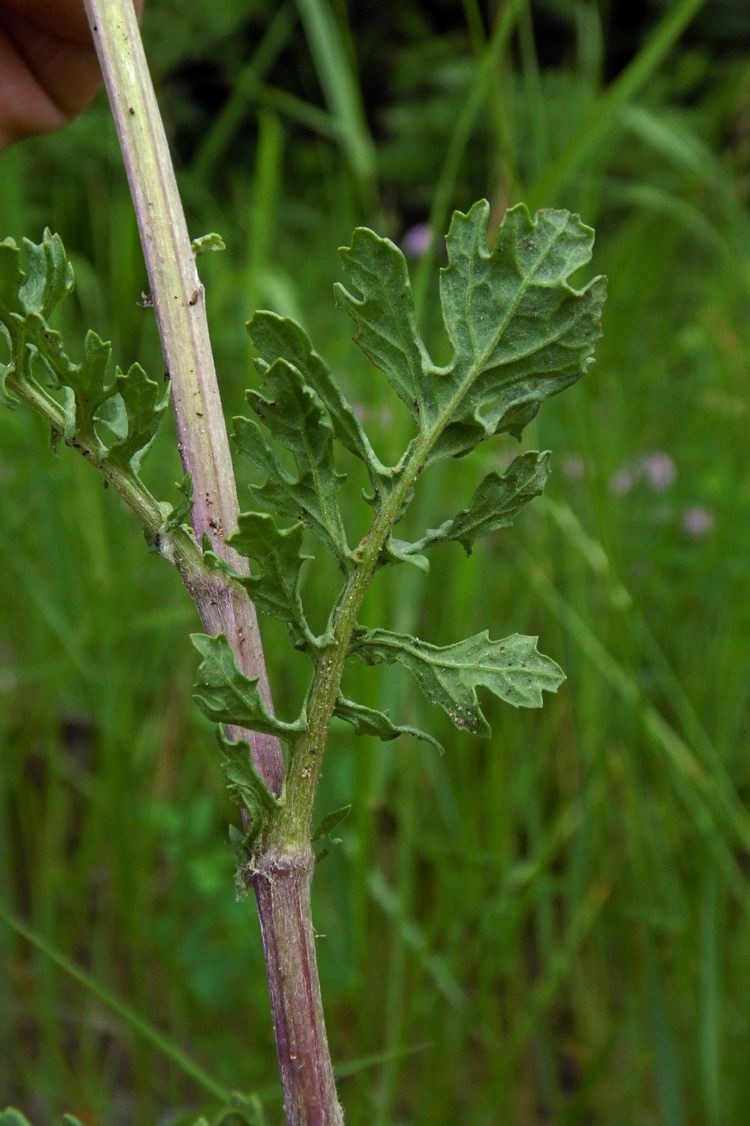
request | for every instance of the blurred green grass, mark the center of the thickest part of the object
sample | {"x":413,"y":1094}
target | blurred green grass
{"x":548,"y":928}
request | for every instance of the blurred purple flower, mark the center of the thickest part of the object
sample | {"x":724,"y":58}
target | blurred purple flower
{"x":697,"y":522}
{"x":573,"y":468}
{"x":417,"y":240}
{"x":656,"y":469}
{"x":622,"y":481}
{"x":659,"y":470}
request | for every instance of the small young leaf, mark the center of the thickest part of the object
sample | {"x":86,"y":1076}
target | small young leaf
{"x":331,"y":822}
{"x":367,"y":721}
{"x":512,"y":669}
{"x":327,"y":828}
{"x":495,"y":504}
{"x":226,"y":695}
{"x":205,"y":243}
{"x":179,"y":514}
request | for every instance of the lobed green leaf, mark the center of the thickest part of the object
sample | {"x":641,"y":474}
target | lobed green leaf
{"x":297,"y":419}
{"x":368,"y":721}
{"x":145,"y":403}
{"x":278,"y":338}
{"x":246,"y":786}
{"x":382,"y":308}
{"x":226,"y":695}
{"x":495,"y":504}
{"x":512,"y":670}
{"x":278,"y":553}
{"x":518,"y":330}
{"x":94,"y":409}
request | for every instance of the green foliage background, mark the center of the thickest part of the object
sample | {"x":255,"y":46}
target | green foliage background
{"x":549,"y":928}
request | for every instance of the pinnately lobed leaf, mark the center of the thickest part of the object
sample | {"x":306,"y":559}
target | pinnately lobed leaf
{"x":279,"y":558}
{"x":519,"y":331}
{"x":511,"y":669}
{"x":246,"y":786}
{"x":114,"y":420}
{"x":496,"y":502}
{"x":226,"y":695}
{"x":279,"y":338}
{"x":368,"y":721}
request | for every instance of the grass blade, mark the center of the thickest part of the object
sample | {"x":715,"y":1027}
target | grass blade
{"x":609,"y":106}
{"x":122,"y":1010}
{"x":342,"y":94}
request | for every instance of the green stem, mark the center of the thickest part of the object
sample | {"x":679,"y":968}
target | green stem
{"x":306,"y":759}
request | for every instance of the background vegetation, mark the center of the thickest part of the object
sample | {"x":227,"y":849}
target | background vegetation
{"x":554,"y":927}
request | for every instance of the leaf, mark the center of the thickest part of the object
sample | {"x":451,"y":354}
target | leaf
{"x":327,"y":828}
{"x":26,"y":300}
{"x":278,"y":552}
{"x":112,"y":419}
{"x":248,"y":1107}
{"x":12,"y":1117}
{"x":518,"y":330}
{"x":382,"y":308}
{"x":87,"y":380}
{"x":145,"y":403}
{"x":449,"y":675}
{"x":331,"y":822}
{"x":495,"y":504}
{"x":205,"y":243}
{"x":367,"y":721}
{"x":296,"y":418}
{"x":49,"y":277}
{"x":179,"y":514}
{"x":277,"y":338}
{"x":226,"y":695}
{"x":246,"y":786}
